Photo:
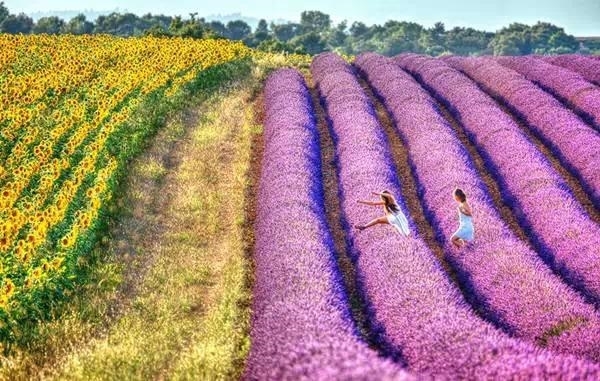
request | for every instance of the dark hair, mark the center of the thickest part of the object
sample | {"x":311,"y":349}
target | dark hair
{"x":390,"y":205}
{"x":460,"y":194}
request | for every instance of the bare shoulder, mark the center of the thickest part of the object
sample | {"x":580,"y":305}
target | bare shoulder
{"x":466,"y":207}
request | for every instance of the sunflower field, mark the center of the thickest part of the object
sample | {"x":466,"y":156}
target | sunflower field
{"x":69,"y":123}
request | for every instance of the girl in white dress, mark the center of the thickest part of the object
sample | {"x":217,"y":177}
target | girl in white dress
{"x":466,"y":230}
{"x":393,"y":214}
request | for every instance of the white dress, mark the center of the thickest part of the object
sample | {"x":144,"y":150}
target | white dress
{"x":466,"y":230}
{"x":398,"y":220}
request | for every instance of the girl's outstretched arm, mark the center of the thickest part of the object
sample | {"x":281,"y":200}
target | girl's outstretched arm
{"x":372,"y":203}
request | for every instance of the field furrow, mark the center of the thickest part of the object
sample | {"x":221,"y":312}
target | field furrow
{"x":301,"y":326}
{"x":502,"y":276}
{"x":335,"y":219}
{"x":571,"y":140}
{"x":421,"y":316}
{"x":563,"y":233}
{"x":568,"y":86}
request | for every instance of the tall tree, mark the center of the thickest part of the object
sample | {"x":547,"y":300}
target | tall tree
{"x":285,"y":32}
{"x":467,"y":41}
{"x":3,"y":12}
{"x":358,"y":29}
{"x":16,"y":24}
{"x":79,"y":25}
{"x":49,"y":25}
{"x":338,"y":36}
{"x":218,"y":27}
{"x":261,"y":33}
{"x":310,"y":43}
{"x":315,"y":21}
{"x":238,"y":30}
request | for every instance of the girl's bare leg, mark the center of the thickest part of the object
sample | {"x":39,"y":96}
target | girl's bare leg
{"x":380,"y":220}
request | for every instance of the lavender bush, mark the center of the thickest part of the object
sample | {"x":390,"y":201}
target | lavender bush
{"x":563,"y":233}
{"x":503,"y":276}
{"x":574,"y":142}
{"x":419,"y":314}
{"x":565,"y":84}
{"x":587,"y":67}
{"x":300,"y":326}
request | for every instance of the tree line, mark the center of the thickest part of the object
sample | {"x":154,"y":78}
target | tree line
{"x":316,"y":33}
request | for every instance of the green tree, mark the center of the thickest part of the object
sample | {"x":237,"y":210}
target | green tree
{"x":438,"y":34}
{"x":285,"y":32}
{"x":338,"y":36}
{"x":274,"y":46}
{"x":468,"y":41}
{"x":149,"y":20}
{"x":157,"y":31}
{"x":433,"y":40}
{"x":79,"y":25}
{"x":238,"y":30}
{"x":218,"y":27}
{"x":358,"y":30}
{"x":311,"y":43}
{"x":16,"y":24}
{"x":506,"y":45}
{"x":516,"y":38}
{"x":49,"y":25}
{"x":3,"y":12}
{"x":398,"y":37}
{"x":562,"y":40}
{"x":260,"y":34}
{"x":315,"y":21}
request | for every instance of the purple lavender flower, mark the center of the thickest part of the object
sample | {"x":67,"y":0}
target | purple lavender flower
{"x":577,"y":144}
{"x":420,"y":314}
{"x":564,"y":234}
{"x":300,"y":324}
{"x":504,"y":277}
{"x":568,"y":86}
{"x":588,"y":68}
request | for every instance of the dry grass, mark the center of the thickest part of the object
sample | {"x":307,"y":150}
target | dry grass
{"x":172,"y":300}
{"x":185,"y":320}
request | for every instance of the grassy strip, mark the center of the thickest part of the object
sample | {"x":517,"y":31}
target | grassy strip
{"x":189,"y":319}
{"x":101,"y":269}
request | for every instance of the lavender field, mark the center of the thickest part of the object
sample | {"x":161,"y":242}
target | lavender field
{"x":521,"y":136}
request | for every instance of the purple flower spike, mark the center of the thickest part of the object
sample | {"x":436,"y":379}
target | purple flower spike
{"x":563,"y":233}
{"x":503,"y":276}
{"x":300,"y":325}
{"x":421,"y":315}
{"x":568,"y":86}
{"x":577,"y":144}
{"x":588,"y":68}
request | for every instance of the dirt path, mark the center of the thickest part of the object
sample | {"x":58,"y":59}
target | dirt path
{"x":172,"y":297}
{"x":335,"y":218}
{"x":408,"y":182}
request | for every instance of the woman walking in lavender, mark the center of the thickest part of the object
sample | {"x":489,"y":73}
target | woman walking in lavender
{"x":466,"y":230}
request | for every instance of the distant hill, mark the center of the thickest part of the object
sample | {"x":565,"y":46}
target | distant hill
{"x":93,"y":15}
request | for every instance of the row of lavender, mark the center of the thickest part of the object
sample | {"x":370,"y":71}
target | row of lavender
{"x":588,"y":68}
{"x":419,"y":314}
{"x":300,"y":327}
{"x":563,"y":233}
{"x":570,"y":87}
{"x":572,"y":140}
{"x":504,"y":277}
